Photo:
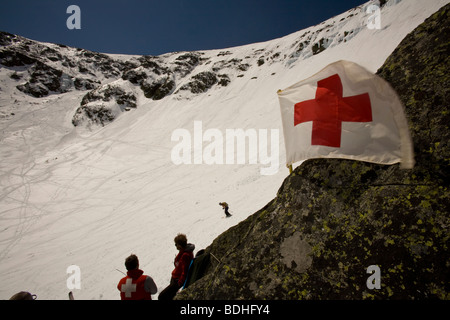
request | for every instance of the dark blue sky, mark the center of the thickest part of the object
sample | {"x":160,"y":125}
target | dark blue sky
{"x":159,"y":26}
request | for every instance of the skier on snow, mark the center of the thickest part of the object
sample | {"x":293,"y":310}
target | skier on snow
{"x":225,"y":207}
{"x":182,"y":262}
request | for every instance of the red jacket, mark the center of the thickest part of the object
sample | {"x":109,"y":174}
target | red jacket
{"x":136,"y":286}
{"x":182,"y":262}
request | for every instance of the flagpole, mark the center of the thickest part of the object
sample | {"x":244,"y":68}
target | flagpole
{"x":290,"y":168}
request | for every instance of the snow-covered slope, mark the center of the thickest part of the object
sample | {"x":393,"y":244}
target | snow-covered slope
{"x":90,"y":195}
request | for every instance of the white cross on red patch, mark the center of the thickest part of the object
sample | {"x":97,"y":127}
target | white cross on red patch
{"x":129,"y":287}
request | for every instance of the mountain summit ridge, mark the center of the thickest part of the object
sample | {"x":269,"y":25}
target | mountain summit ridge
{"x":56,"y":69}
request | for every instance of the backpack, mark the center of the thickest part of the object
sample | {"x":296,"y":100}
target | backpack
{"x":197,"y":268}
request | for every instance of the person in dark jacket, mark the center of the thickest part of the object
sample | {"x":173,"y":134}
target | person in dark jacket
{"x":182,"y":262}
{"x":225,"y":207}
{"x":136,"y":285}
{"x":23,"y":295}
{"x":197,"y":268}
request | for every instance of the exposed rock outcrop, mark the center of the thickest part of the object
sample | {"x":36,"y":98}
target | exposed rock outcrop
{"x":103,"y":105}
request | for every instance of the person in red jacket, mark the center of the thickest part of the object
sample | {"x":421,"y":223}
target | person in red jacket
{"x":136,"y":285}
{"x":182,"y":262}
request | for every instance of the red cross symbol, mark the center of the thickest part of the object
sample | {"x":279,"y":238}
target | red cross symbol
{"x":329,"y":109}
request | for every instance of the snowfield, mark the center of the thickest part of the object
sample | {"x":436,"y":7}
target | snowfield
{"x":92,"y":196}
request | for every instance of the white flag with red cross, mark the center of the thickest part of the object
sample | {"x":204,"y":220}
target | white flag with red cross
{"x":347,"y":112}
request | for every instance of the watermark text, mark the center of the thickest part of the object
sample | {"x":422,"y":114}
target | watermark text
{"x":74,"y":20}
{"x":374,"y":281}
{"x":374,"y":19}
{"x":236,"y":146}
{"x":74,"y":280}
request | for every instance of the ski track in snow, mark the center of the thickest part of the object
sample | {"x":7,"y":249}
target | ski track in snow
{"x":72,"y":197}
